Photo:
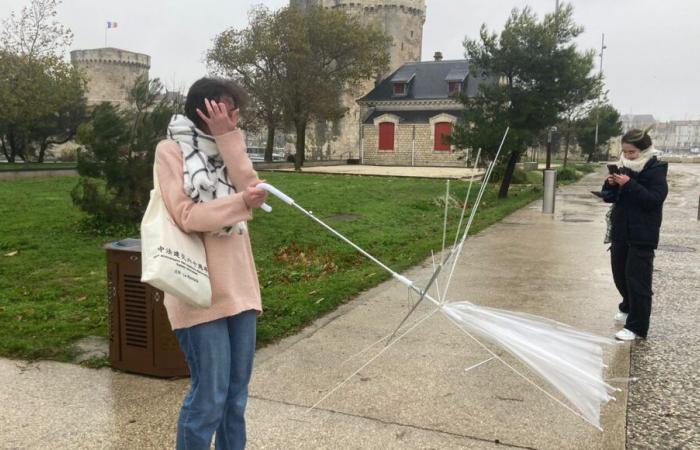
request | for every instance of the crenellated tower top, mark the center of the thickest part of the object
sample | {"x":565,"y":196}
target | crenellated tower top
{"x":401,"y":19}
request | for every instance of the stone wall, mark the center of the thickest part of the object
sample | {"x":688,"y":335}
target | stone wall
{"x":407,"y":152}
{"x":111,"y":73}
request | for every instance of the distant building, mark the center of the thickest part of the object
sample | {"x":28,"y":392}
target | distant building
{"x":111,"y":73}
{"x":639,"y":121}
{"x":677,"y":136}
{"x":407,"y":117}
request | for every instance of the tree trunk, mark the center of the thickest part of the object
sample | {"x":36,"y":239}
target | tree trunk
{"x":15,"y":151}
{"x":566,"y":146}
{"x":42,"y":151}
{"x":301,"y":144}
{"x":270,"y":142}
{"x":4,"y":148}
{"x":508,"y":175}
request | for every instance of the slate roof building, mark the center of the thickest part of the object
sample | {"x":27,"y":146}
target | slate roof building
{"x":409,"y":114}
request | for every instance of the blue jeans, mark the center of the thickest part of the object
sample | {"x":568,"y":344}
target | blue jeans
{"x":220,"y":357}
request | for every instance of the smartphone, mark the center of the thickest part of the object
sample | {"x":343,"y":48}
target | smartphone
{"x":612,"y":169}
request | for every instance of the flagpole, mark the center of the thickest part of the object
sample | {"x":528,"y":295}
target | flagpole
{"x":105,"y":36}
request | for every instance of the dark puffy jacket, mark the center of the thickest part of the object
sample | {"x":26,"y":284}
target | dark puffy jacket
{"x":636,"y":218}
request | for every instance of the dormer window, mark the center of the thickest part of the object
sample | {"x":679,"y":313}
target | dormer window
{"x":400,"y":89}
{"x":454,"y":87}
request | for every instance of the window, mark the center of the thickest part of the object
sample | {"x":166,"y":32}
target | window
{"x":386,"y":136}
{"x":454,"y":87}
{"x":399,"y":88}
{"x":443,"y":130}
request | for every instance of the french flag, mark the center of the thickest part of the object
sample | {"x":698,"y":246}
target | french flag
{"x":111,"y":24}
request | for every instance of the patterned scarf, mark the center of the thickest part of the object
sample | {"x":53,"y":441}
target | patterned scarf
{"x":205,"y":175}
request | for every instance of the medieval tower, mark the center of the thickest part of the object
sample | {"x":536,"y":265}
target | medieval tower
{"x":111,"y":73}
{"x":403,"y":21}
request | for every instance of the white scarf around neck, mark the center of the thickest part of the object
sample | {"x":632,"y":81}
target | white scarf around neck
{"x":205,"y":175}
{"x":636,"y":165}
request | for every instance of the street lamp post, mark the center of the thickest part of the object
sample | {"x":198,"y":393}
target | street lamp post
{"x":550,"y":177}
{"x":597,"y":110}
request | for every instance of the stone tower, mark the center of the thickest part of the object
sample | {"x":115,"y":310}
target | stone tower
{"x":402,"y":20}
{"x":111,"y":73}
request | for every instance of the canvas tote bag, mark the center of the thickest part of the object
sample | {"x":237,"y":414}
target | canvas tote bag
{"x":172,"y":260}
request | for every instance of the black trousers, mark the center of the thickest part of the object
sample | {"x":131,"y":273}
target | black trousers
{"x":632,"y":268}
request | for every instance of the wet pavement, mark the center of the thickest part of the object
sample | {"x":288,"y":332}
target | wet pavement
{"x":664,"y":403}
{"x":419,"y":394}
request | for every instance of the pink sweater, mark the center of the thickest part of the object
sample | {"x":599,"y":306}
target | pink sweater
{"x":234,"y":280}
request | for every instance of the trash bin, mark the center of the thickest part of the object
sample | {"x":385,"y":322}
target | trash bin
{"x":140,"y":338}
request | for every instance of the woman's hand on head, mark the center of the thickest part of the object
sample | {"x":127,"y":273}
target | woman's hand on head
{"x":219,"y":119}
{"x":621,"y":179}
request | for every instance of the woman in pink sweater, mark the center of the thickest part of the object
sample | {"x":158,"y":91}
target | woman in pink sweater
{"x":208,"y":186}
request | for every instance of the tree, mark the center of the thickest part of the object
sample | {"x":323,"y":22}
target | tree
{"x":34,"y":32}
{"x":116,"y":162}
{"x":536,"y":74}
{"x":609,"y":126}
{"x":326,"y":52}
{"x":254,"y":57}
{"x":42,"y":96}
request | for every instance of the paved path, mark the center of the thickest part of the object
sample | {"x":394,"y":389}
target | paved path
{"x":664,"y":405}
{"x":394,"y":171}
{"x":417,"y":395}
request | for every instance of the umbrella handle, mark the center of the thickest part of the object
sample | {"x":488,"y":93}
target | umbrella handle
{"x":276,"y":192}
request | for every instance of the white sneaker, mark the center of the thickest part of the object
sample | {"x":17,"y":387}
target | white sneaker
{"x":621,"y":317}
{"x":626,"y":335}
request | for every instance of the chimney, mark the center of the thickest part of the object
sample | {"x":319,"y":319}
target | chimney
{"x":438,"y":56}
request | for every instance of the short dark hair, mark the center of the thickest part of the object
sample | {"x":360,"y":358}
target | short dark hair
{"x":213,"y":89}
{"x":638,"y":138}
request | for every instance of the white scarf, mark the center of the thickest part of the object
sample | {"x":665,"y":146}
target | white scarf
{"x":636,"y":165}
{"x":205,"y":175}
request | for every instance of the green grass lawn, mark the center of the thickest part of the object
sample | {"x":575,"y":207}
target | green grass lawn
{"x":53,"y":276}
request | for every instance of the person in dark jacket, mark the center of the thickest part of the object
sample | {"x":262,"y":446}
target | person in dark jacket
{"x":637,"y":192}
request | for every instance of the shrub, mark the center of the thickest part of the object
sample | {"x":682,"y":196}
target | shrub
{"x":585,"y":168}
{"x":519,"y":175}
{"x":567,"y":174}
{"x":116,"y":163}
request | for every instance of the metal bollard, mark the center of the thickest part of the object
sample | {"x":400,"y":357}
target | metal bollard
{"x":698,"y":208}
{"x":550,"y":185}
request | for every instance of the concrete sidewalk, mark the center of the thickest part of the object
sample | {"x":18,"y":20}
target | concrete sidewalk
{"x":417,"y":395}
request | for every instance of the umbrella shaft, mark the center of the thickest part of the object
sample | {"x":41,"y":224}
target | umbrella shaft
{"x":396,"y":275}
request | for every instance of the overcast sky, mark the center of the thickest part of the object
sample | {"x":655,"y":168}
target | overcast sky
{"x":651,"y":64}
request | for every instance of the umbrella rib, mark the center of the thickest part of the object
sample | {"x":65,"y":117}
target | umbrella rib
{"x":382,"y":339}
{"x":482,"y":190}
{"x":466,"y":199}
{"x":444,"y":223}
{"x":342,"y":383}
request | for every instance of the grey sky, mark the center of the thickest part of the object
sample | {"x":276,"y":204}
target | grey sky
{"x":651,"y":62}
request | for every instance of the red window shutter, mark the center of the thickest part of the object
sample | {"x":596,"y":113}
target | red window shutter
{"x":442,"y":132}
{"x":386,"y":136}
